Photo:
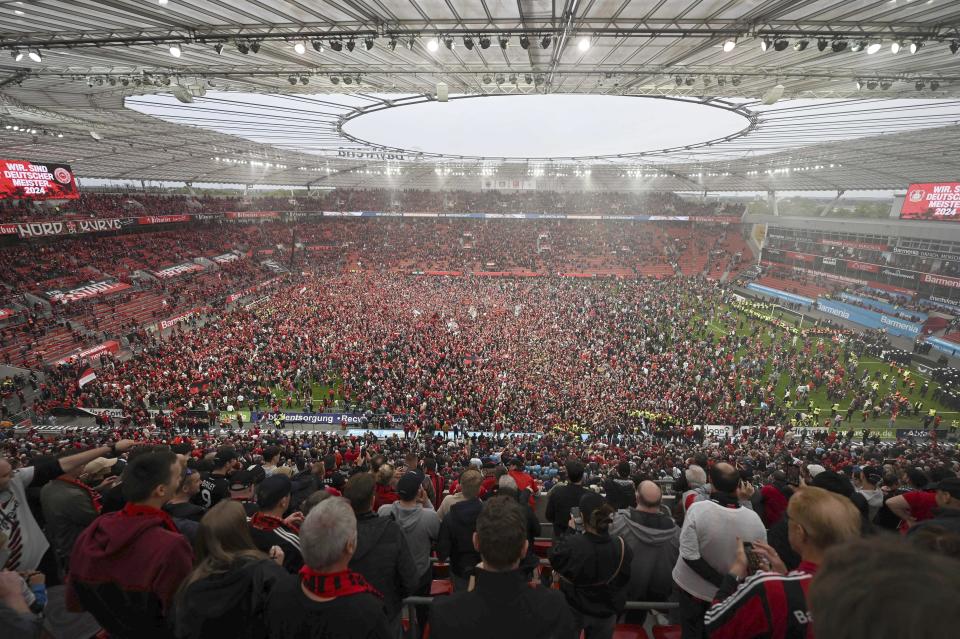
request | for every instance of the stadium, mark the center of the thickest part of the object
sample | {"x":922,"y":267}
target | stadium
{"x":633,"y":319}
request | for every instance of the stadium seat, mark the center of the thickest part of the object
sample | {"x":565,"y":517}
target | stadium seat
{"x":629,"y":631}
{"x":440,"y":587}
{"x":667,"y":632}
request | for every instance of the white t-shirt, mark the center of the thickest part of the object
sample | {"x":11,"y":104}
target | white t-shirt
{"x":710,"y":532}
{"x":26,"y":543}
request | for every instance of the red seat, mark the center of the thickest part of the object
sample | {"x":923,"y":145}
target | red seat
{"x":440,"y":587}
{"x":629,"y":631}
{"x":542,"y":547}
{"x":667,"y":632}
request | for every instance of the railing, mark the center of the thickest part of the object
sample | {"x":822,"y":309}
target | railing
{"x":413,"y":632}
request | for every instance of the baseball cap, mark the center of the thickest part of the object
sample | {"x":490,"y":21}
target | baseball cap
{"x":950,"y":485}
{"x":272,"y":490}
{"x":409,"y":485}
{"x":99,"y":465}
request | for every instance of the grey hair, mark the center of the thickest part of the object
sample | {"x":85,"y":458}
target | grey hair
{"x":507,"y":482}
{"x":696,"y":476}
{"x":326,"y":531}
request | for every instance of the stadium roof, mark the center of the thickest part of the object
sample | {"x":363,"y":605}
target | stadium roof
{"x":92,"y":71}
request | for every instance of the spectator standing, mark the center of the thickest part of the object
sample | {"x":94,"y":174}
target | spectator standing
{"x":947,"y":513}
{"x":772,"y":603}
{"x":594,"y":570}
{"x":619,"y":488}
{"x":269,"y":527}
{"x":126,"y":566}
{"x":869,"y":480}
{"x":456,"y":532}
{"x":382,"y":555}
{"x":654,"y":539}
{"x":216,"y":485}
{"x":564,"y":497}
{"x":774,"y":496}
{"x":708,"y":546}
{"x":501,"y":593}
{"x":17,"y":617}
{"x":329,"y":599}
{"x":226,"y":593}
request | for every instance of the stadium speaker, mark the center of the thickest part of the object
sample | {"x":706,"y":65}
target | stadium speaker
{"x":773,"y":95}
{"x":442,"y":92}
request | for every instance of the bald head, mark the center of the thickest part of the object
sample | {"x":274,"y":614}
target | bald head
{"x":724,"y":478}
{"x":649,"y":497}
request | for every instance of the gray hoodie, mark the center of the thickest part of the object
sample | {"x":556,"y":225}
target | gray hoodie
{"x":420,"y":526}
{"x":655,"y":542}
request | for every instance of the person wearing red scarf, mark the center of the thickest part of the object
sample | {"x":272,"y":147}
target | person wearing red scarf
{"x":126,"y":566}
{"x":269,"y":528}
{"x":328,"y":599}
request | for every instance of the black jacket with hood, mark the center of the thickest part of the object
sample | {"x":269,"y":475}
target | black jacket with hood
{"x":384,"y":559}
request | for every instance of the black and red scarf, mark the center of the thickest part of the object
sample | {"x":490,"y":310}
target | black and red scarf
{"x":141,"y":510}
{"x":269,"y":522}
{"x":336,"y":584}
{"x":94,"y":495}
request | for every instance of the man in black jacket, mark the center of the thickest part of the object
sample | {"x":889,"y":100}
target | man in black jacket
{"x":455,"y":541}
{"x":564,"y":497}
{"x":501,"y":597}
{"x":382,"y":555}
{"x":947,"y":515}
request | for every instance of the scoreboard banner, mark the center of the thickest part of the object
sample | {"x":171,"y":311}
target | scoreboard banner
{"x":932,"y":201}
{"x":23,"y":179}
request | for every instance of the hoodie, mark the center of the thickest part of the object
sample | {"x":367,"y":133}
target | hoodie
{"x":420,"y":527}
{"x":125,"y":569}
{"x":230,"y":603}
{"x":654,"y":539}
{"x":384,"y":559}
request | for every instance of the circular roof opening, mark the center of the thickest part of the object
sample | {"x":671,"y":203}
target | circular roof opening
{"x":545,"y":126}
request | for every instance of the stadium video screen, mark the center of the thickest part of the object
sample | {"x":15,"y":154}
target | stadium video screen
{"x":27,"y":180}
{"x":932,"y":201}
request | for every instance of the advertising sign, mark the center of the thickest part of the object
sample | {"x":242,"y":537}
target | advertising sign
{"x":93,"y":289}
{"x":179,"y":269}
{"x":23,"y":179}
{"x":932,"y":201}
{"x":111,"y":346}
{"x":940,"y":280}
{"x":870,"y":319}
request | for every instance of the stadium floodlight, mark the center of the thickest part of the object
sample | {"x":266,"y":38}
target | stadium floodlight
{"x":351,"y":45}
{"x":859,"y":85}
{"x":528,"y":78}
{"x":919,"y":86}
{"x":243,"y":48}
{"x":125,"y":81}
{"x":822,"y":44}
{"x":468,"y":43}
{"x":729,"y":45}
{"x":895,"y":47}
{"x":513,"y":78}
{"x":336,"y":45}
{"x":16,"y":55}
{"x":954,"y":47}
{"x":934,"y":85}
{"x":392,"y":43}
{"x":871,"y":84}
{"x":689,"y":81}
{"x":838,"y":45}
{"x":885,"y":84}
{"x":764,"y":43}
{"x":411,"y":42}
{"x":334,"y":80}
{"x":449,"y":43}
{"x":304,"y":80}
{"x":112,"y":80}
{"x":317,"y":46}
{"x":484,"y":42}
{"x":504,"y":42}
{"x":347,"y":79}
{"x":524,"y":42}
{"x":780,"y":44}
{"x":433,"y":45}
{"x":873,"y":48}
{"x":487,"y":79}
{"x":677,"y":80}
{"x":915,"y":46}
{"x":255,"y":47}
{"x":368,"y":43}
{"x":735,"y":81}
{"x":545,"y":41}
{"x":584,"y":44}
{"x":175,"y":50}
{"x":801,"y":45}
{"x":34,"y":55}
{"x":300,"y":48}
{"x":858,"y":45}
{"x":292,"y":79}
{"x":218,"y":47}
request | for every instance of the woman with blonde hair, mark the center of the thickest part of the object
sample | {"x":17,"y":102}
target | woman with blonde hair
{"x":225,"y":594}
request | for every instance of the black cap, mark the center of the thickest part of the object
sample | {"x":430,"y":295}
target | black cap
{"x":409,"y":485}
{"x":950,"y":485}
{"x":247,"y":477}
{"x":272,"y":490}
{"x":589,"y":503}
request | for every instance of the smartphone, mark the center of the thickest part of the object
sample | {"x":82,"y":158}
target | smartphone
{"x":577,"y":518}
{"x":753,"y":559}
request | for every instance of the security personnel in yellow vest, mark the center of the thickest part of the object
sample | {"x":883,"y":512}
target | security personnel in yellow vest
{"x":834,"y":409}
{"x":816,"y":415}
{"x":917,"y":407}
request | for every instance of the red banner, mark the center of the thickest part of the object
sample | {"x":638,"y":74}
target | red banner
{"x":252,"y":215}
{"x":940,"y":280}
{"x":863,"y":266}
{"x":233,"y":297}
{"x":932,"y":201}
{"x":173,"y":321}
{"x":106,"y":347}
{"x":27,"y":180}
{"x":93,"y":289}
{"x":6,"y":312}
{"x":859,"y":245}
{"x":162,"y":219}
